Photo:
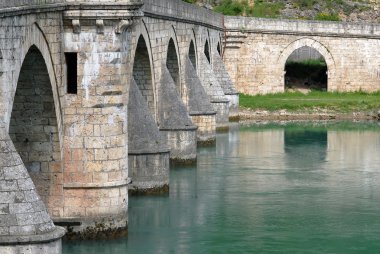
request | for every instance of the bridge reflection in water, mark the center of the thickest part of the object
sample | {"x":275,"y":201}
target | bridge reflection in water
{"x":286,"y":188}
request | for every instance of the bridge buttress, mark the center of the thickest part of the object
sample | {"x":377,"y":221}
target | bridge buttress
{"x":26,"y":226}
{"x":148,"y":154}
{"x":95,"y":121}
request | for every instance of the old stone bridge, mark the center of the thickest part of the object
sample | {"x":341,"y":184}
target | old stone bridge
{"x":98,"y":96}
{"x":257,"y":50}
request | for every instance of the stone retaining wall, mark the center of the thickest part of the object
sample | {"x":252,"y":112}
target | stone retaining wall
{"x":257,"y":50}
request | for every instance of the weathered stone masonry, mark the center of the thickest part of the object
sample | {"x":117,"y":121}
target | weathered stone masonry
{"x":140,"y":94}
{"x":31,"y":65}
{"x":257,"y":49}
{"x":149,"y":84}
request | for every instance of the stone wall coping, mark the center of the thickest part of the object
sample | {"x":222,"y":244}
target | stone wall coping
{"x":108,"y":8}
{"x":219,"y":101}
{"x":232,"y":93}
{"x":182,"y":128}
{"x":21,"y":10}
{"x":199,"y":113}
{"x":18,"y":3}
{"x":51,"y":236}
{"x":97,"y":185}
{"x":145,"y":152}
{"x":100,"y":14}
{"x":302,"y":27}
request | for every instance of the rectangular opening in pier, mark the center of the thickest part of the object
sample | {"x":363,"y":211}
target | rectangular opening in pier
{"x":72,"y":72}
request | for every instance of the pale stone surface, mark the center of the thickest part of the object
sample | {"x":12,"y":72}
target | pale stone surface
{"x":257,"y":49}
{"x":75,"y":146}
{"x":24,"y":221}
{"x":148,"y":154}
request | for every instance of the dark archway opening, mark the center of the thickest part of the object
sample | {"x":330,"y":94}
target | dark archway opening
{"x":305,"y":146}
{"x":219,"y":49}
{"x":142,"y":73}
{"x":306,"y":69}
{"x":207,"y":52}
{"x":192,"y":55}
{"x":34,"y":129}
{"x":172,"y":64}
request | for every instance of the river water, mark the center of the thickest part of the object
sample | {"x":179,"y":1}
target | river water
{"x":265,"y":188}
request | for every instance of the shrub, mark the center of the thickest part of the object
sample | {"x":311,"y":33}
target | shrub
{"x":327,"y":16}
{"x":260,"y":9}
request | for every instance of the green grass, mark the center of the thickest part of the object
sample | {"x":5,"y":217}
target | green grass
{"x":328,"y":10}
{"x":261,"y":9}
{"x":323,"y":16}
{"x":315,"y":100}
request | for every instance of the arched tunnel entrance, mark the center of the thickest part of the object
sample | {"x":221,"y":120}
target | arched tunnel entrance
{"x":34,"y":129}
{"x":142,"y":73}
{"x":173,"y":66}
{"x":306,"y":69}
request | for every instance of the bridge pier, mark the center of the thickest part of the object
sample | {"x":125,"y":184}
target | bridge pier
{"x":225,"y":81}
{"x":200,"y":109}
{"x":175,"y":123}
{"x":26,"y":226}
{"x":70,"y":121}
{"x":95,"y":121}
{"x":215,"y":92}
{"x":148,"y":155}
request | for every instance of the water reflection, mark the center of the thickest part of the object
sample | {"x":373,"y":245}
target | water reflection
{"x":265,"y":189}
{"x":304,"y":147}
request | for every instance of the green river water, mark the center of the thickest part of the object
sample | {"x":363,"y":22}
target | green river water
{"x":265,"y":188}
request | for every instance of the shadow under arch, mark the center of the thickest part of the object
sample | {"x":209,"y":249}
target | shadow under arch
{"x":33,"y":116}
{"x":307,"y":42}
{"x":172,"y":63}
{"x":173,"y":59}
{"x":192,"y":54}
{"x":207,"y":51}
{"x":192,"y":50}
{"x":34,"y":131}
{"x":35,"y":37}
{"x":143,"y":69}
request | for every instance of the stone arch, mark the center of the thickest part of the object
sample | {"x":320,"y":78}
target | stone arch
{"x":45,"y":134}
{"x":172,"y":63}
{"x":330,"y":62}
{"x":221,"y":43}
{"x":142,"y":71}
{"x":192,"y":52}
{"x":173,"y":59}
{"x":207,"y":51}
{"x":34,"y":130}
{"x":34,"y":36}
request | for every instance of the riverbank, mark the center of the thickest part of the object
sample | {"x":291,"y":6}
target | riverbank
{"x":311,"y":105}
{"x":247,"y":114}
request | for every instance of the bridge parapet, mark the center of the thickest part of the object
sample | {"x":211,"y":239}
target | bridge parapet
{"x":302,"y":27}
{"x":21,"y":3}
{"x":179,"y":10}
{"x":114,"y":8}
{"x":19,"y":7}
